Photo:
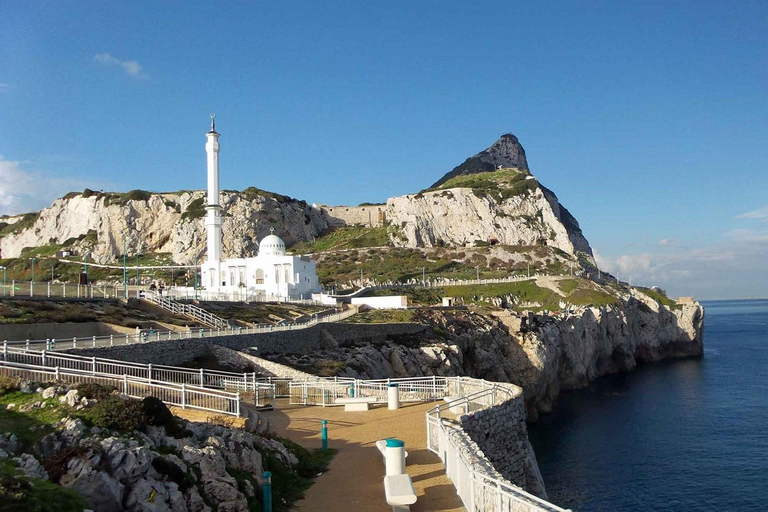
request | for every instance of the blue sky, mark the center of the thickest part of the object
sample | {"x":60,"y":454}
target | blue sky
{"x":648,"y":119}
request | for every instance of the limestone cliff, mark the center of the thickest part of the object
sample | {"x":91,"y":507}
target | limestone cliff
{"x":461,"y":216}
{"x":168,"y":223}
{"x":550,"y":355}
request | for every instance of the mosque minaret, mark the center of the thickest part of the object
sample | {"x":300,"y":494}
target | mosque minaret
{"x":271,"y":275}
{"x":213,"y":216}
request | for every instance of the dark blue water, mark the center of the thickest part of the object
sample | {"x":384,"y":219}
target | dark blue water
{"x":687,"y":435}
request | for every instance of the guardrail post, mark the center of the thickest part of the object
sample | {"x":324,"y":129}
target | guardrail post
{"x":94,"y":365}
{"x":237,"y":405}
{"x":183,"y":396}
{"x":94,"y":338}
{"x":42,"y":358}
{"x":74,"y":342}
{"x":125,"y":384}
{"x":266,"y":488}
{"x":149,"y":371}
{"x":111,"y":340}
{"x":126,"y":338}
{"x":202,"y":378}
{"x":5,"y":350}
{"x":56,"y":373}
{"x":434,"y":387}
{"x":325,"y":435}
{"x":245,"y":382}
{"x":28,"y":344}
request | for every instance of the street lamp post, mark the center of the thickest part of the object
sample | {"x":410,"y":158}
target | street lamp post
{"x":137,"y":275}
{"x":477,"y":272}
{"x":195,"y":276}
{"x":125,"y":271}
{"x":4,"y":290}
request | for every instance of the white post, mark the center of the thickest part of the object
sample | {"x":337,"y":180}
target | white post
{"x":237,"y":406}
{"x":94,"y":365}
{"x":149,"y":371}
{"x":202,"y":378}
{"x":125,"y":384}
{"x":183,"y":396}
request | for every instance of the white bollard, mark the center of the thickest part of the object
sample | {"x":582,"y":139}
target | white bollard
{"x":394,"y":454}
{"x":393,"y":397}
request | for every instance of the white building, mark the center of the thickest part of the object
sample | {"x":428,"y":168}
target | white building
{"x":271,"y":275}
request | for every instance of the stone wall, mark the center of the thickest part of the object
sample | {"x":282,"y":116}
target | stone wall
{"x":369,"y":216}
{"x":500,"y":433}
{"x":267,"y":368}
{"x":176,"y":352}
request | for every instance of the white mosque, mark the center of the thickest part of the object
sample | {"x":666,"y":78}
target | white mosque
{"x":271,"y":275}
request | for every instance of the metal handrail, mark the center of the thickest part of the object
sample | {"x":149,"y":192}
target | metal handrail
{"x":127,"y":339}
{"x":189,"y":396}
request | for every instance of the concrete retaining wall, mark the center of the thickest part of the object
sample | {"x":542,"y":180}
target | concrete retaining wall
{"x":267,"y":368}
{"x":59,"y":330}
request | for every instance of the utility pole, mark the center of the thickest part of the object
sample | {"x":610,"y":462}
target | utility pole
{"x":33,"y":269}
{"x":4,"y":290}
{"x":477,"y":273}
{"x":137,"y":275}
{"x":195,"y":275}
{"x":529,"y":269}
{"x":125,"y":271}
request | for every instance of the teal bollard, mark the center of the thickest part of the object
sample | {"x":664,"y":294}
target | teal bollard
{"x":325,"y":435}
{"x":352,"y":390}
{"x":266,"y":487}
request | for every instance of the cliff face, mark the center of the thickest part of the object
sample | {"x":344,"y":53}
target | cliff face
{"x":168,"y":223}
{"x":460,"y":216}
{"x":553,"y":355}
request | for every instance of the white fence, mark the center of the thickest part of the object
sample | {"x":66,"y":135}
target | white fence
{"x":324,"y":392}
{"x":144,"y":337}
{"x":190,"y":310}
{"x":23,"y":289}
{"x":262,"y":390}
{"x":479,"y":486}
{"x":182,"y":395}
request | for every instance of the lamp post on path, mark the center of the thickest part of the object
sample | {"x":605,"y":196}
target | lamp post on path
{"x":125,"y":271}
{"x":4,"y":290}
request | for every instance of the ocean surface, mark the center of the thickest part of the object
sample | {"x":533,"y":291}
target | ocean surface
{"x":683,"y":435}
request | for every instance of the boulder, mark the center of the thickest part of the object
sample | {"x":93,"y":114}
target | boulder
{"x":31,"y":467}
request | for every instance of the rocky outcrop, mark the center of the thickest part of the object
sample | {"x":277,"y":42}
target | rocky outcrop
{"x":461,"y":216}
{"x":202,"y":467}
{"x":505,"y":152}
{"x":544,"y":358}
{"x":165,"y":223}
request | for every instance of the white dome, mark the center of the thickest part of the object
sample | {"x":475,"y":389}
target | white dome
{"x":272,"y":245}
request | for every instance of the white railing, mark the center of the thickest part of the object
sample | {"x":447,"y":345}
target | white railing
{"x":262,"y":390}
{"x":23,"y":289}
{"x":325,"y":391}
{"x":190,"y":310}
{"x":182,"y":395}
{"x":144,"y":337}
{"x":480,"y":487}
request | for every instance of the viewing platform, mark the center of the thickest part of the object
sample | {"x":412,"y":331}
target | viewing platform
{"x":353,"y":482}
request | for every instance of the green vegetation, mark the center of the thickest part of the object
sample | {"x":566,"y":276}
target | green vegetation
{"x":567,"y":285}
{"x":195,"y":209}
{"x":259,"y":313}
{"x":21,"y":494}
{"x":383,"y":316}
{"x":526,"y":291}
{"x":504,"y":183}
{"x":27,"y":221}
{"x":252,"y":193}
{"x":659,"y":297}
{"x":346,"y":237}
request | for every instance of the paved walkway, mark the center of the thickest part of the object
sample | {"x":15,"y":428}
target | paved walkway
{"x":354,"y":480}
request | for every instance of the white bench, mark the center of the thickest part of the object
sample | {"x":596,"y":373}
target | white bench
{"x":399,"y":492}
{"x":382,"y":446}
{"x":356,"y":404}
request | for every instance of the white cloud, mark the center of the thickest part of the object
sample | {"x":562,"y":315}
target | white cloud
{"x":731,"y":268}
{"x":760,"y":213}
{"x":667,"y":241}
{"x":131,"y":67}
{"x":22,"y":190}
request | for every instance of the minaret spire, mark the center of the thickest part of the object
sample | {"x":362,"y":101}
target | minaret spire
{"x":213,"y":218}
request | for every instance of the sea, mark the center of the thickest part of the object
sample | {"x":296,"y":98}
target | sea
{"x":679,"y":435}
